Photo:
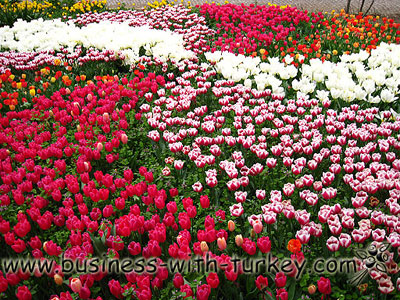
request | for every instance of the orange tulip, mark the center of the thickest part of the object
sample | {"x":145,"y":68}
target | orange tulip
{"x":312,"y":289}
{"x":221,"y":243}
{"x":239,"y":240}
{"x":231,"y":225}
{"x":204,"y":246}
{"x":58,"y":279}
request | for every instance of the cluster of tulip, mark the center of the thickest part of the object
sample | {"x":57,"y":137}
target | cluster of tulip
{"x":226,"y":137}
{"x":275,"y":31}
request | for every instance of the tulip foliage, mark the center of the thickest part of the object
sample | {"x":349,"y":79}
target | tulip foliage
{"x":226,"y":134}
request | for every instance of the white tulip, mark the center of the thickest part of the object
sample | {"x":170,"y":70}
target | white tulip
{"x":387,"y":96}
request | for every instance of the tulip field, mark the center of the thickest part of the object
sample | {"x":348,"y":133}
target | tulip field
{"x":213,"y":152}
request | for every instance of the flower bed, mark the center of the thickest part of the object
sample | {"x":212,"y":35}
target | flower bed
{"x":361,"y":76}
{"x":200,"y":154}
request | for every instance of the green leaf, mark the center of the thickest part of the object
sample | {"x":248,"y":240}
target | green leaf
{"x":292,"y":289}
{"x":304,"y":279}
{"x":248,"y":283}
{"x":99,"y":246}
{"x":252,"y":292}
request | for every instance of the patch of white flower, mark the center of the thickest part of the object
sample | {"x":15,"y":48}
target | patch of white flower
{"x":234,"y":67}
{"x":373,"y":77}
{"x":40,"y":35}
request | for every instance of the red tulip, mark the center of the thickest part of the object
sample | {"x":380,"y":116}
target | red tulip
{"x":23,"y":293}
{"x":213,"y":280}
{"x":280,"y":279}
{"x":324,"y":286}
{"x":203,"y":292}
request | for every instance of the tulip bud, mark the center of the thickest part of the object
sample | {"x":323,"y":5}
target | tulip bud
{"x":231,"y":225}
{"x":258,"y":227}
{"x":312,"y":289}
{"x":124,"y":138}
{"x":58,"y":279}
{"x":204,"y":246}
{"x":239,"y":240}
{"x":45,"y":246}
{"x":252,"y":233}
{"x":51,"y":113}
{"x":99,"y":146}
{"x":90,"y":97}
{"x":78,"y":128}
{"x":76,"y":285}
{"x":106,"y":116}
{"x":68,"y":91}
{"x":221,"y":243}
